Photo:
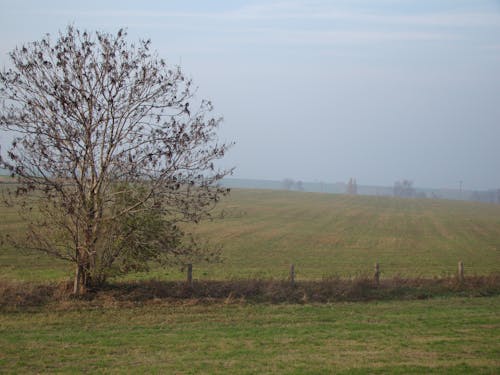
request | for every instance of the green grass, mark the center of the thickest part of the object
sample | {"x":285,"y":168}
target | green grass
{"x":335,"y":234}
{"x":454,"y":336}
{"x":262,"y":233}
{"x":323,"y":235}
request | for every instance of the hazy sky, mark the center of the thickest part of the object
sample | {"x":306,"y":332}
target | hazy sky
{"x":322,"y":90}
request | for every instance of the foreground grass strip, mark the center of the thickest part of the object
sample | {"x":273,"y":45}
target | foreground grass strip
{"x":448,"y":335}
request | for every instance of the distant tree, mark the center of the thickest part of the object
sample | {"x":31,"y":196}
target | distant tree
{"x":114,"y":149}
{"x":352,"y":187}
{"x":288,"y":183}
{"x":349,"y":186}
{"x":300,"y":185}
{"x":404,"y":189}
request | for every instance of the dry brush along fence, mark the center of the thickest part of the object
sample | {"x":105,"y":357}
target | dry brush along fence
{"x":22,"y":295}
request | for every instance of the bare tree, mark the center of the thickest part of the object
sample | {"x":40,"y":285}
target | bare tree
{"x":352,"y":187}
{"x":404,"y":189}
{"x":288,"y":183}
{"x":114,"y":148}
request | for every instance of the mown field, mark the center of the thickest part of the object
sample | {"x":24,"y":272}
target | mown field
{"x":324,"y":235}
{"x":262,"y":233}
{"x":441,"y":336}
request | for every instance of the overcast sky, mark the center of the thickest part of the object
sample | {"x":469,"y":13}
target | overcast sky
{"x":322,"y":90}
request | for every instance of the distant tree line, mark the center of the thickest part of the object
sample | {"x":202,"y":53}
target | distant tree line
{"x":404,"y":188}
{"x":290,"y":184}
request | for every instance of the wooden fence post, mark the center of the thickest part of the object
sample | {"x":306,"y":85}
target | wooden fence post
{"x":190,"y":274}
{"x":461,"y":271}
{"x":292,"y":275}
{"x":376,"y":275}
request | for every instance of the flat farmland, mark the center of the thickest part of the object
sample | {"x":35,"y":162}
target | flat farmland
{"x":262,"y":232}
{"x":324,"y":235}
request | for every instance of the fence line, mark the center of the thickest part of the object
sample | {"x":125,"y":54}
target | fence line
{"x":291,"y":274}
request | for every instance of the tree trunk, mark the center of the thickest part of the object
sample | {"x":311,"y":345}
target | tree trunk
{"x":79,"y":282}
{"x":76,"y":283}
